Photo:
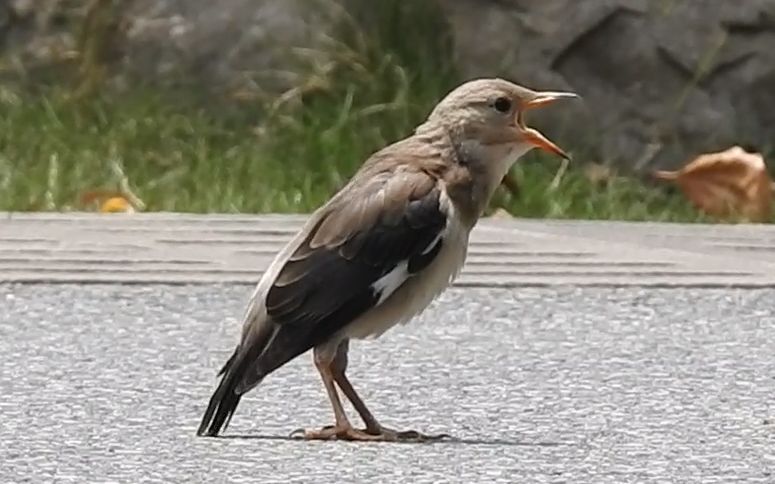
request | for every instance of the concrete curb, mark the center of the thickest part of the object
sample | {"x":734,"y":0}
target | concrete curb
{"x":175,"y":248}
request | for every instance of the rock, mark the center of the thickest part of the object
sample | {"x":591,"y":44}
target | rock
{"x":226,"y":44}
{"x":21,"y":8}
{"x":661,"y":81}
{"x":31,"y":32}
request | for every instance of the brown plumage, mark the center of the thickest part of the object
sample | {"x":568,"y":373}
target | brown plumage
{"x":381,"y":249}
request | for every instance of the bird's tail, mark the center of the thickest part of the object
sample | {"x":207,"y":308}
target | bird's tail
{"x":238,"y":375}
{"x":245,"y":369}
{"x":224,"y":400}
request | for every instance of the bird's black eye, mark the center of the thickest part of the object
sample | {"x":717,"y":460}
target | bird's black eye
{"x":502,"y":105}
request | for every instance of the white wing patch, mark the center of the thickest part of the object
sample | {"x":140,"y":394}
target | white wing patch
{"x":390,"y":282}
{"x":433,"y":243}
{"x":387,"y":284}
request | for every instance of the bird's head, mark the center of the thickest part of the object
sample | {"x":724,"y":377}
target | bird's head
{"x":486,"y":118}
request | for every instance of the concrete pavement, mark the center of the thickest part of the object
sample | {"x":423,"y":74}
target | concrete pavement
{"x":641,"y":353}
{"x":107,"y":383}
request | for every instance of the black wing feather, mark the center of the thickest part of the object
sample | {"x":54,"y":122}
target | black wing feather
{"x":335,"y":289}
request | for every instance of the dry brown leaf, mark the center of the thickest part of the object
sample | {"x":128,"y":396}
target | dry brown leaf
{"x":117,"y":205}
{"x":731,"y":184}
{"x":108,"y":201}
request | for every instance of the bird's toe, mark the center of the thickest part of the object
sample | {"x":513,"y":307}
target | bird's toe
{"x":408,"y":435}
{"x":332,"y":432}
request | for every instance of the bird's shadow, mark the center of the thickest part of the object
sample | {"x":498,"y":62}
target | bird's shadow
{"x":445,"y":441}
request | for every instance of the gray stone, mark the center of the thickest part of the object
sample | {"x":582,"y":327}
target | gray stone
{"x":661,"y":81}
{"x":33,"y":33}
{"x":226,"y":44}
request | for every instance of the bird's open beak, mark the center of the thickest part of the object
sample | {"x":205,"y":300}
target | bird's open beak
{"x":533,"y":136}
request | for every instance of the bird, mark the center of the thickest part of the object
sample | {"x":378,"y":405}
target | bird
{"x":380,"y":251}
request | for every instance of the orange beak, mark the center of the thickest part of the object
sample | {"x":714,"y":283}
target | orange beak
{"x":533,"y":136}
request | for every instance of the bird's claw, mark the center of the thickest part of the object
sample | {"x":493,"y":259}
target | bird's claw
{"x":331,"y":432}
{"x":410,"y":436}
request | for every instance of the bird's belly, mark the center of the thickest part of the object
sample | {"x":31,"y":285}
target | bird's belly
{"x":417,"y":292}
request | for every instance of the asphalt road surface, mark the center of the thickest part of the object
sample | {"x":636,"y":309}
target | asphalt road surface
{"x":107,"y":383}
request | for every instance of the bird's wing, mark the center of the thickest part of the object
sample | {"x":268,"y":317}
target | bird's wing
{"x":363,"y":246}
{"x":355,"y":255}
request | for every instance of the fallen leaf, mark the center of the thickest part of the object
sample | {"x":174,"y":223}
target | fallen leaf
{"x":108,"y":201}
{"x":117,"y":205}
{"x":731,"y":184}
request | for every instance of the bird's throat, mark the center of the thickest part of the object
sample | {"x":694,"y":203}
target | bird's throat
{"x":488,"y":165}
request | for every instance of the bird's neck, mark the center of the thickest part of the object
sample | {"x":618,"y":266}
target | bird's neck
{"x":475,"y":171}
{"x":490,"y":163}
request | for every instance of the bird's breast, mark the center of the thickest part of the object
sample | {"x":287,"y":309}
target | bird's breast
{"x":418,"y":291}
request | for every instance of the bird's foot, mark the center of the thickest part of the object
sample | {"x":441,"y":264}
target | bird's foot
{"x":382,"y":434}
{"x":334,"y":432}
{"x":391,"y":435}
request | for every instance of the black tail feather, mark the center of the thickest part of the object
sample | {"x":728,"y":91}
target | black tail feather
{"x":224,"y":401}
{"x":240,"y":369}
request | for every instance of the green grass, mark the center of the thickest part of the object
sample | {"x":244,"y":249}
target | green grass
{"x":576,"y":196}
{"x":269,"y":153}
{"x":183,"y":158}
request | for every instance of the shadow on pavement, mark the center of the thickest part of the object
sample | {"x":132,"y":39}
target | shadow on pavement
{"x":448,"y":441}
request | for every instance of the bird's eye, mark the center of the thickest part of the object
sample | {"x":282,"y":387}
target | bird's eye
{"x":502,"y":105}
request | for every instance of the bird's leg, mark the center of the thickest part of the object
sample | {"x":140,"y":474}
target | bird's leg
{"x":372,"y":426}
{"x":342,"y":428}
{"x":339,"y":368}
